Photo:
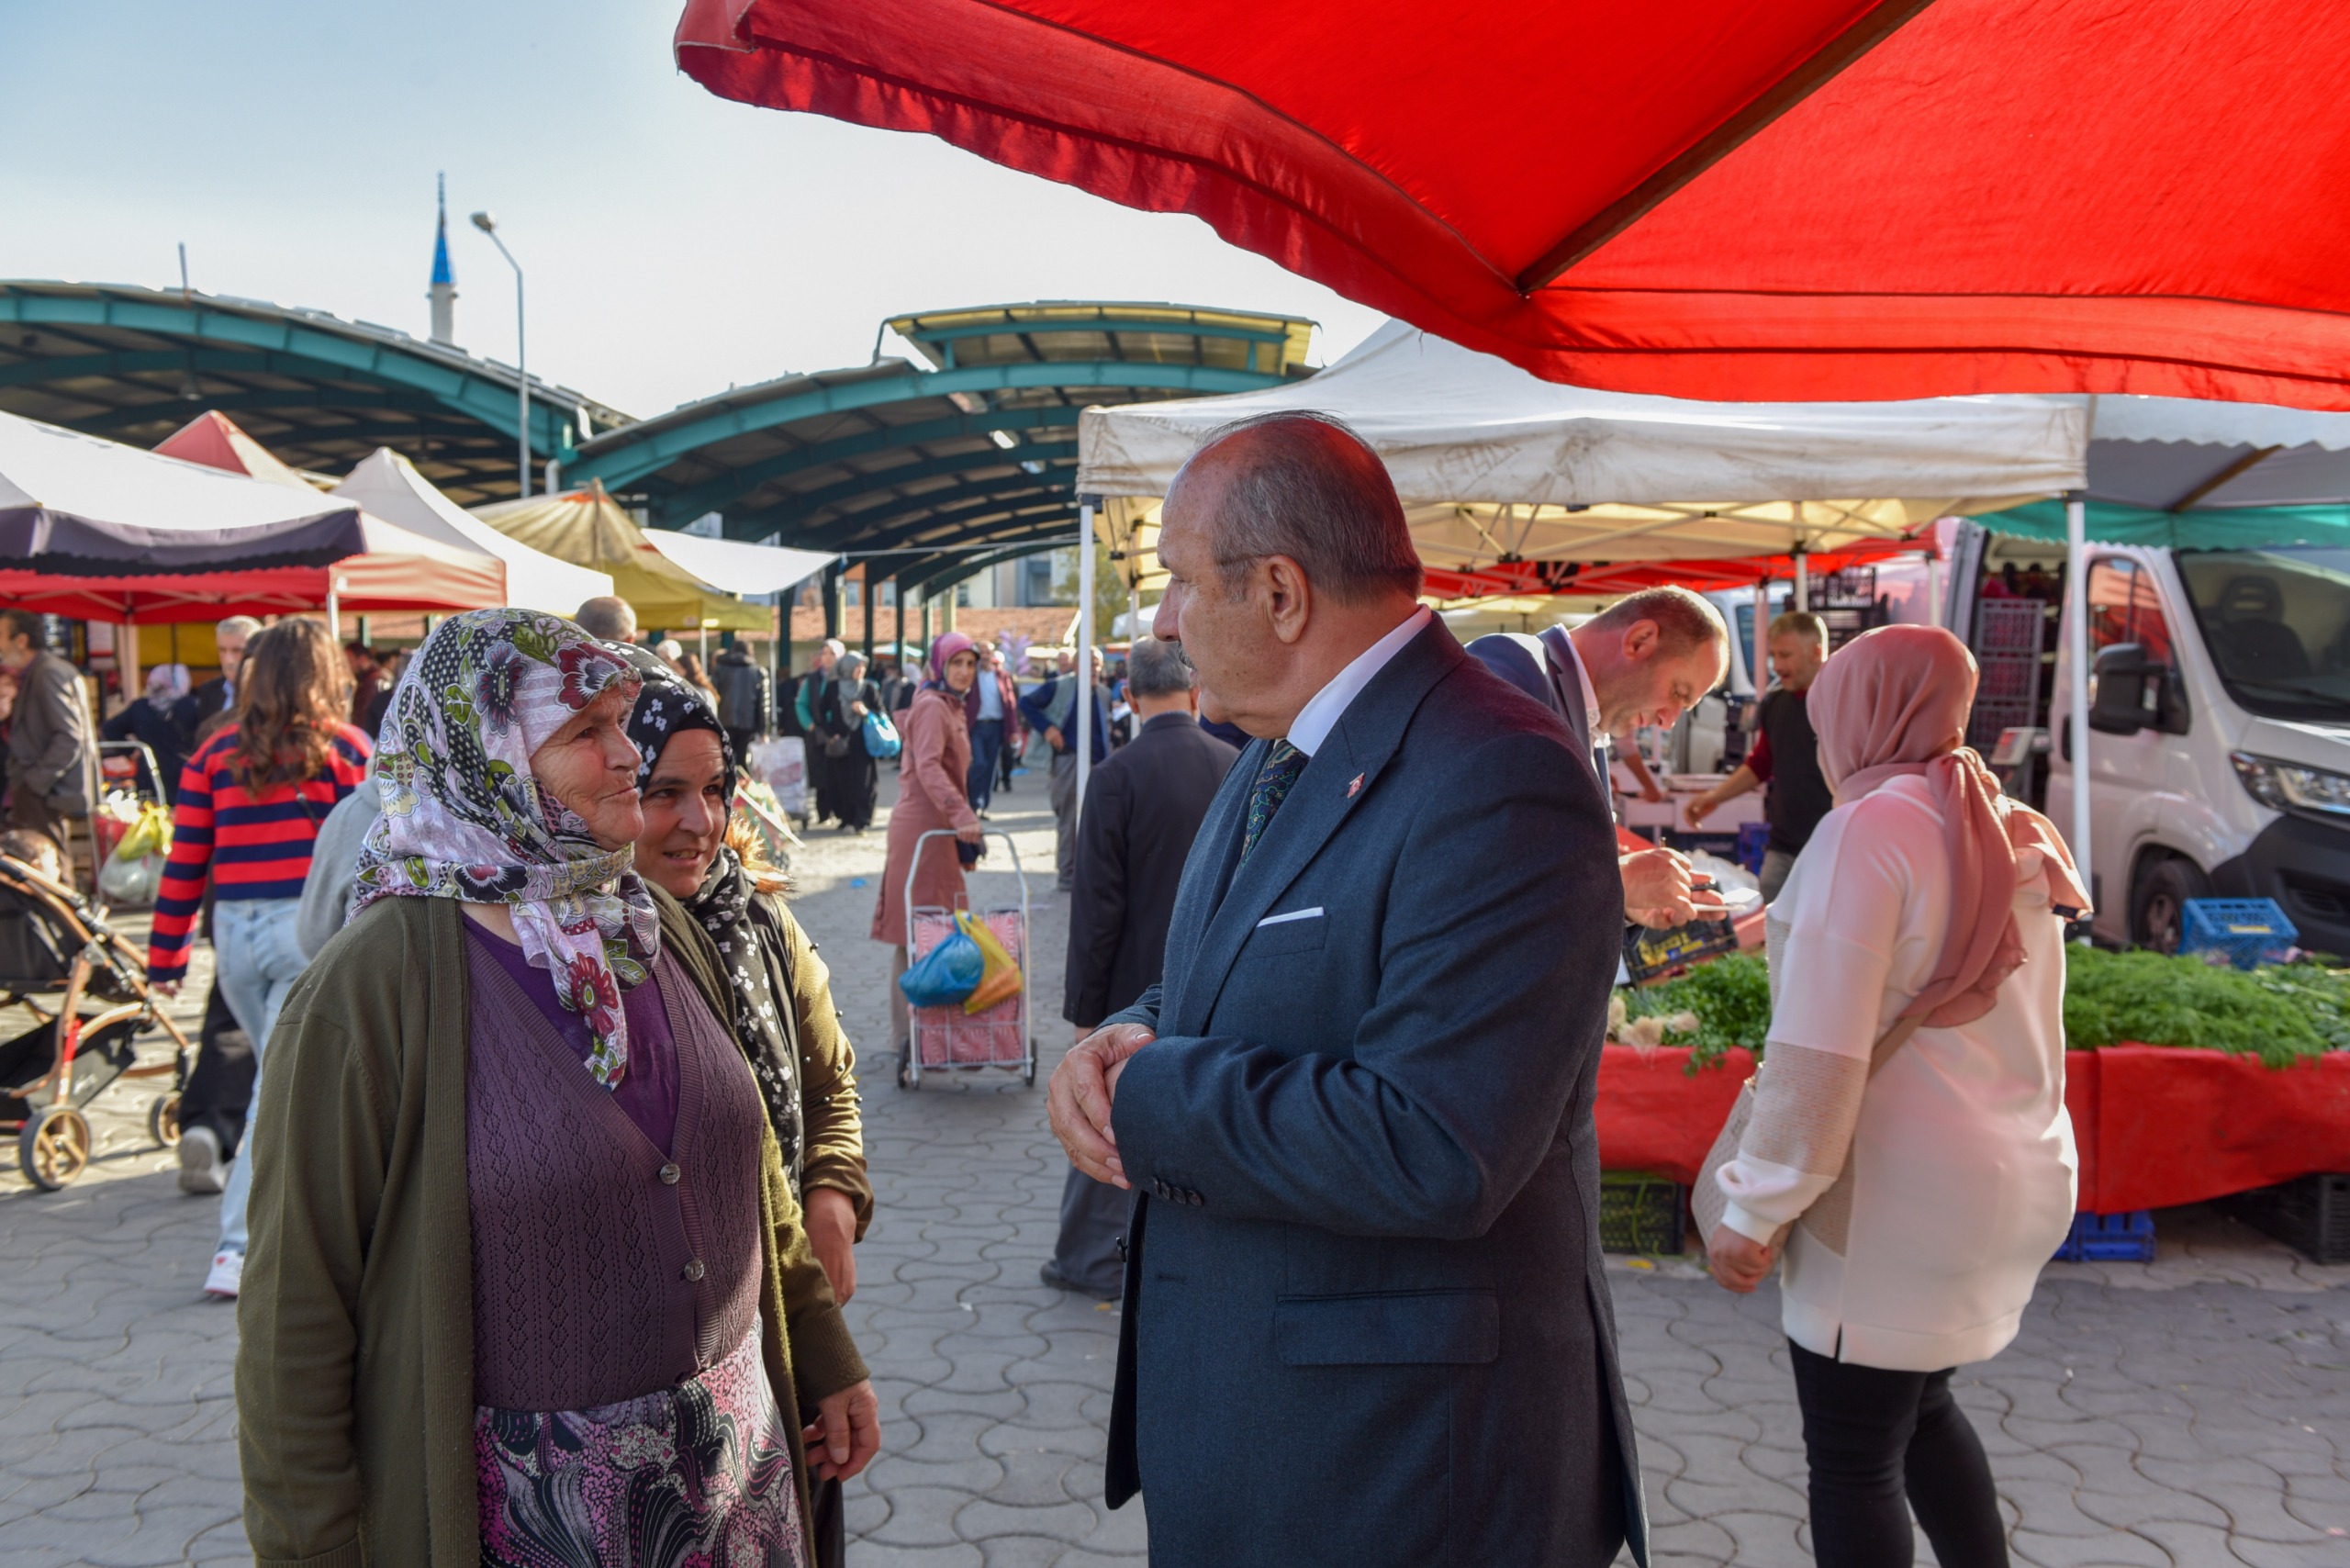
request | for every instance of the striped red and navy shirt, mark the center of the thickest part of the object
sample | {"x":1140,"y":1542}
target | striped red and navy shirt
{"x":255,"y":847}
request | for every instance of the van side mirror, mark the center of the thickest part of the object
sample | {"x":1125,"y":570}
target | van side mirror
{"x":2127,"y":690}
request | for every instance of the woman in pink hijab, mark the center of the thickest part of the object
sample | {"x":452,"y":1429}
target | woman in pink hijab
{"x":1914,"y":1206}
{"x":931,"y":797}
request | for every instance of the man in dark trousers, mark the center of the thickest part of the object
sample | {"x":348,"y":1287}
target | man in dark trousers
{"x":1050,"y":710}
{"x":745,"y":704}
{"x":1785,"y":754}
{"x":1143,"y":808}
{"x":1365,"y":1319}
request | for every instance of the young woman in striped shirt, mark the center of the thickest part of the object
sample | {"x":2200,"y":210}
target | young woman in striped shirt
{"x":249,"y":804}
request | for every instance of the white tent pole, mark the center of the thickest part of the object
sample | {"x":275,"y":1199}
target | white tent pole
{"x":1934,"y":590}
{"x":2077,"y":648}
{"x":1081,"y":714}
{"x":1803,"y":578}
{"x":1762,"y":636}
{"x":126,"y":661}
{"x":334,"y":610}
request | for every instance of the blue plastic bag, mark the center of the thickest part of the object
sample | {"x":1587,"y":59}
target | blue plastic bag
{"x":881,"y":736}
{"x":946,"y":975}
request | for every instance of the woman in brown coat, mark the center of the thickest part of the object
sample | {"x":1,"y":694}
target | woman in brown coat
{"x":929,"y":798}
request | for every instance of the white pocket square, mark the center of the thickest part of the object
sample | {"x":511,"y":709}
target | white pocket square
{"x":1314,"y":914}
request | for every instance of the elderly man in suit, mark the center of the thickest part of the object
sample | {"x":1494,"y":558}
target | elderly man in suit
{"x":1365,"y":1320}
{"x":1143,"y":809}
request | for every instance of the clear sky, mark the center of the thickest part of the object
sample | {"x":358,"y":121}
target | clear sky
{"x":674,"y":242}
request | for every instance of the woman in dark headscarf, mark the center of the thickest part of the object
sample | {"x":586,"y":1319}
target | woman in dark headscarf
{"x":856,"y":775}
{"x":528,"y":1282}
{"x":694,"y":848}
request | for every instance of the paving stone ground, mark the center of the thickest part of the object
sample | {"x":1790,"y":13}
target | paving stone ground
{"x":2194,"y":1412}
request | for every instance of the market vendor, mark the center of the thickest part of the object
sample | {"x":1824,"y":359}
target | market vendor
{"x":1786,"y":755}
{"x":1643,"y":660}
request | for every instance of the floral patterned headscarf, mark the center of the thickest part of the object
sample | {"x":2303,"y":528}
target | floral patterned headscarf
{"x":463,"y":818}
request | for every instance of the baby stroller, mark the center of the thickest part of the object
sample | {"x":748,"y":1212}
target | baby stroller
{"x":54,"y":944}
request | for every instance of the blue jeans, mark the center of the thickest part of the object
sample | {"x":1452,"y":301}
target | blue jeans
{"x":987,"y":745}
{"x":257,"y":960}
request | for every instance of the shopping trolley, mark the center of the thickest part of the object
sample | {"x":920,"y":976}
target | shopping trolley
{"x":942,"y":1038}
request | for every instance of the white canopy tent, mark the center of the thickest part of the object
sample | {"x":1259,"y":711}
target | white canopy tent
{"x":388,"y":486}
{"x":743,"y":568}
{"x":1494,"y":464}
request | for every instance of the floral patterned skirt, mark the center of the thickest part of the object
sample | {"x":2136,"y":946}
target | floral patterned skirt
{"x":696,"y":1476}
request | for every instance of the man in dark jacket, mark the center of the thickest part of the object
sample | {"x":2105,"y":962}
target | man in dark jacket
{"x":744,"y":711}
{"x":1785,"y":754}
{"x":1050,"y":710}
{"x":53,"y":746}
{"x":1143,"y":808}
{"x":1365,"y":1316}
{"x":200,"y":709}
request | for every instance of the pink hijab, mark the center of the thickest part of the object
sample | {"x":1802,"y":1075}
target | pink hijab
{"x":1892,"y":702}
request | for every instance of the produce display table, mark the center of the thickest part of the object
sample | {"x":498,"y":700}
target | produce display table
{"x":2155,"y":1125}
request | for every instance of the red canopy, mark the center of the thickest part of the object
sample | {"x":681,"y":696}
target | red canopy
{"x":1713,"y":199}
{"x":1611,"y":580}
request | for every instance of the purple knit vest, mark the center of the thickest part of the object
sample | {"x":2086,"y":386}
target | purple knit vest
{"x":604,"y":1269}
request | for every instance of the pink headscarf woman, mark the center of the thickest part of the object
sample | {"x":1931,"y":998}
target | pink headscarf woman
{"x":933,"y":797}
{"x":1894,"y":702}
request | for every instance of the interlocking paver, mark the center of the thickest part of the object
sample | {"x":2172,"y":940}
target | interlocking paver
{"x":2193,"y":1411}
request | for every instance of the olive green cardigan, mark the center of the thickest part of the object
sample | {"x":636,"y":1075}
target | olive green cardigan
{"x":355,"y":1366}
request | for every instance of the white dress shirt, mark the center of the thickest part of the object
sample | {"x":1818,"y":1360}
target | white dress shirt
{"x":1320,"y":716}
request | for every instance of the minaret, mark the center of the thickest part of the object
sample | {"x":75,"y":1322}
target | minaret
{"x":443,"y":292}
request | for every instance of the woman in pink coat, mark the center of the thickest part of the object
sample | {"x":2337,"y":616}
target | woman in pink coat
{"x":929,"y":797}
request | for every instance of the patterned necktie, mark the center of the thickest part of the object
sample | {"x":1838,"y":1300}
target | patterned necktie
{"x":1283,"y":765}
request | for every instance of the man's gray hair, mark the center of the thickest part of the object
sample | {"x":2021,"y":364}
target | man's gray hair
{"x":237,"y":626}
{"x":1683,"y":619}
{"x":1304,"y":486}
{"x":1157,"y":670}
{"x":611,"y":620}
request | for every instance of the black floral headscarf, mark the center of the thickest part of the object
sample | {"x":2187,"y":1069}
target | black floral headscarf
{"x":667,"y":707}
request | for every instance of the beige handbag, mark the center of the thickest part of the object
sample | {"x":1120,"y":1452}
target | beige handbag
{"x":1707,"y":1202}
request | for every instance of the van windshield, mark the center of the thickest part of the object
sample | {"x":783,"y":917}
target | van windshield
{"x":2277,"y":623}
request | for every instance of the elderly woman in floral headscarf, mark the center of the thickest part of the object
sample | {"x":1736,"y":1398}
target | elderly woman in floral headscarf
{"x":528,"y":1283}
{"x":929,"y":798}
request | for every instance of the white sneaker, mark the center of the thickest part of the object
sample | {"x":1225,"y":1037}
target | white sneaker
{"x":227,"y":1269}
{"x":202,"y":1169}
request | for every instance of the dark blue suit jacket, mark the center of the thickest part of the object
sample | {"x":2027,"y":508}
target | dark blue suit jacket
{"x":1365,"y":1321}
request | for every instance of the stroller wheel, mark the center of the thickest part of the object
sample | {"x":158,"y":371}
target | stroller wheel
{"x":163,"y":1121}
{"x":54,"y":1147}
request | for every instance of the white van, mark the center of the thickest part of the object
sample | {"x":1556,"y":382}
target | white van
{"x":2220,"y":717}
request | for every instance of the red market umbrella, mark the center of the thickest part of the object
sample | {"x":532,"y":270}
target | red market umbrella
{"x":1712,"y":200}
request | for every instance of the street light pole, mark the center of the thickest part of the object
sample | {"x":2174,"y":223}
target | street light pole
{"x":487,"y":224}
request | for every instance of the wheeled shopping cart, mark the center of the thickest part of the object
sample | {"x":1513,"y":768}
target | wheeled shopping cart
{"x":942,"y":1038}
{"x":53,"y":942}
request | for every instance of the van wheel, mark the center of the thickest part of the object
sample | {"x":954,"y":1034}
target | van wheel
{"x":2158,"y":901}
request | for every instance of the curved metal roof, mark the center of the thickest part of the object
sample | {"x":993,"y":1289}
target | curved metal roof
{"x":932,"y":472}
{"x":135,"y":364}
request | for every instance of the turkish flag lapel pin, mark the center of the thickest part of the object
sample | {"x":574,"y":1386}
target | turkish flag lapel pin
{"x":1355,"y":788}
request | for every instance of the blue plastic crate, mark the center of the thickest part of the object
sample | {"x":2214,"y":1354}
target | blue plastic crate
{"x":1754,"y":843}
{"x":2244,"y":931}
{"x":2111,"y":1238}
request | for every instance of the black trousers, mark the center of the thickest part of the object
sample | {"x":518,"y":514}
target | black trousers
{"x":220,"y":1085}
{"x":1881,"y":1443}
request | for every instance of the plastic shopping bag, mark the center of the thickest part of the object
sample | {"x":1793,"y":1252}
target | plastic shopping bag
{"x":944,"y":975}
{"x":1001,"y":977}
{"x":880,"y":737}
{"x":130,"y":880}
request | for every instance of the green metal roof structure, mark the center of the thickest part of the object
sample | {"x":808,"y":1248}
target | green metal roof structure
{"x":133,"y":364}
{"x":931,"y":472}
